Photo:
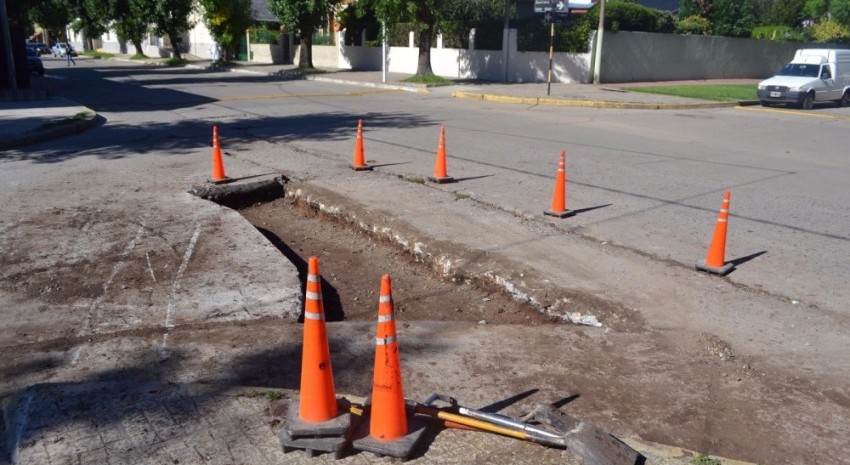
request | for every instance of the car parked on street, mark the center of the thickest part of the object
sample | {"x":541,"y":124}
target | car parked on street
{"x":39,"y":47}
{"x":59,"y":50}
{"x":34,"y":63}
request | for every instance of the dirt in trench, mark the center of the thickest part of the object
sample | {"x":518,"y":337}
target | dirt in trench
{"x":352,"y":262}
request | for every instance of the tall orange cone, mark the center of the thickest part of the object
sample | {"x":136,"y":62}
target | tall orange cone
{"x":389,"y":419}
{"x":314,"y":421}
{"x":390,"y":432}
{"x":559,"y":197}
{"x":359,"y":163}
{"x":715,"y":261}
{"x":218,"y":176}
{"x":441,"y":175}
{"x":318,"y":397}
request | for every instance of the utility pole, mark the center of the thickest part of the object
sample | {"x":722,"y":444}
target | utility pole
{"x":597,"y":50}
{"x":7,"y":46}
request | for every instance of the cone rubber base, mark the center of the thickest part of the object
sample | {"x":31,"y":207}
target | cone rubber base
{"x":444,"y":180}
{"x":563,"y":214}
{"x":361,"y":168}
{"x":334,"y":445}
{"x":400,"y":448}
{"x":722,"y":271}
{"x":223,"y":180}
{"x":331,"y":436}
{"x":341,"y":426}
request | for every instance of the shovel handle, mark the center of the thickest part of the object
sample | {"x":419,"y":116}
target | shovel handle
{"x":466,"y":421}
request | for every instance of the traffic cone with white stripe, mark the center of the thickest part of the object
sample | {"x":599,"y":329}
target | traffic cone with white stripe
{"x":441,"y":174}
{"x":318,"y":397}
{"x":314,"y":421}
{"x":715,"y":261}
{"x":391,"y":432}
{"x":559,"y":196}
{"x":359,"y":163}
{"x":217,"y":176}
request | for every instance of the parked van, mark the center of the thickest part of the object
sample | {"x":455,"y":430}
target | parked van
{"x":814,"y":75}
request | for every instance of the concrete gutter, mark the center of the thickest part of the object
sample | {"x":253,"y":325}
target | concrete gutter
{"x":418,"y":88}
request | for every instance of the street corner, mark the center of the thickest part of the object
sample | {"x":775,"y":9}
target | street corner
{"x":28,"y":122}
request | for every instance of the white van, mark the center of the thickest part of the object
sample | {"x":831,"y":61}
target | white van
{"x":814,"y":75}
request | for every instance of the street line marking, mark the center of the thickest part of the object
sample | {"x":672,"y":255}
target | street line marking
{"x":175,"y":283}
{"x":87,"y":324}
{"x":150,"y":268}
{"x":278,"y":96}
{"x":795,"y":113}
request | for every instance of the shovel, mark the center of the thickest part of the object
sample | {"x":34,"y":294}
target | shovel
{"x":593,"y":445}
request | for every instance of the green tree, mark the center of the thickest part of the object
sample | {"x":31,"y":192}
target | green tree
{"x":839,"y":10}
{"x":170,"y":18}
{"x":732,"y":18}
{"x":303,"y":17}
{"x":51,"y":15}
{"x":91,"y":18}
{"x":816,"y":9}
{"x":227,"y":21}
{"x":131,"y":21}
{"x":830,"y":31}
{"x":787,"y":12}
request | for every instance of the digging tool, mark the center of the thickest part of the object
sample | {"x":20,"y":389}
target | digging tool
{"x":593,"y":445}
{"x":492,"y":422}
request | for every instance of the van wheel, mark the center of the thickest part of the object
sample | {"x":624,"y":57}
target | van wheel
{"x":845,"y":99}
{"x":808,"y":101}
{"x":764,"y":103}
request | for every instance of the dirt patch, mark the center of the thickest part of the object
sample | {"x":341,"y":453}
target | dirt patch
{"x":352,"y":263}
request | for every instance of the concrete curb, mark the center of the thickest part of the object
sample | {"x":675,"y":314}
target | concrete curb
{"x":53,"y":132}
{"x":407,"y":88}
{"x":589,"y":103}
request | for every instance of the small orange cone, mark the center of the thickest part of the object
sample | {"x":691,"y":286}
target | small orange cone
{"x":389,"y":419}
{"x":559,"y":197}
{"x":715,"y":261}
{"x":441,"y":175}
{"x":359,"y":156}
{"x":318,"y":397}
{"x":218,"y":176}
{"x":390,"y":430}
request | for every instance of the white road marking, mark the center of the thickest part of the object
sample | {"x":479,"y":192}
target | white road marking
{"x":87,"y":324}
{"x":175,"y":289}
{"x":150,"y":268}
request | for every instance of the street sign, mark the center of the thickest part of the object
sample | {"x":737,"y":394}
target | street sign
{"x":556,"y":17}
{"x":544,"y":6}
{"x":562,"y":6}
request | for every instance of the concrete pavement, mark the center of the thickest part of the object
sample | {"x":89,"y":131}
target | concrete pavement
{"x":97,"y":419}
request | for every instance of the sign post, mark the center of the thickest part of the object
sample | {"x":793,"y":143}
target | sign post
{"x":555,"y":11}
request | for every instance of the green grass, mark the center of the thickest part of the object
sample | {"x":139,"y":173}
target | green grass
{"x":139,"y":56}
{"x":306,"y":70}
{"x":716,"y":92}
{"x":700,"y":459}
{"x":98,"y":55}
{"x":60,"y":122}
{"x":427,"y":79}
{"x":176,"y":61}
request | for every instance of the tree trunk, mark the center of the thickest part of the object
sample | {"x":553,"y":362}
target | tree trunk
{"x":138,"y":44}
{"x":305,"y":56}
{"x":423,"y":68}
{"x":175,"y":45}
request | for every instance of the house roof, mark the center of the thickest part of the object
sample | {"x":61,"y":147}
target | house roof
{"x":260,"y":11}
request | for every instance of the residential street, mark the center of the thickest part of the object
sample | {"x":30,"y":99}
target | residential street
{"x":751,"y":366}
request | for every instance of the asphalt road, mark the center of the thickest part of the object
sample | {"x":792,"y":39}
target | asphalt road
{"x":647,"y":180}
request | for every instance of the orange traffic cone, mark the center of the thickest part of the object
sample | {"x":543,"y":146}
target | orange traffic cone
{"x":559,"y":197}
{"x":318,"y":398}
{"x":218,"y":176}
{"x":390,"y":431}
{"x":359,"y":157}
{"x":715,"y":261}
{"x":441,"y":174}
{"x":389,"y":419}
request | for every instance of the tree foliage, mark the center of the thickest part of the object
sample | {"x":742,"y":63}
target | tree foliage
{"x":170,"y":18}
{"x":303,"y":17}
{"x":131,"y":21}
{"x":830,"y":31}
{"x":227,"y":20}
